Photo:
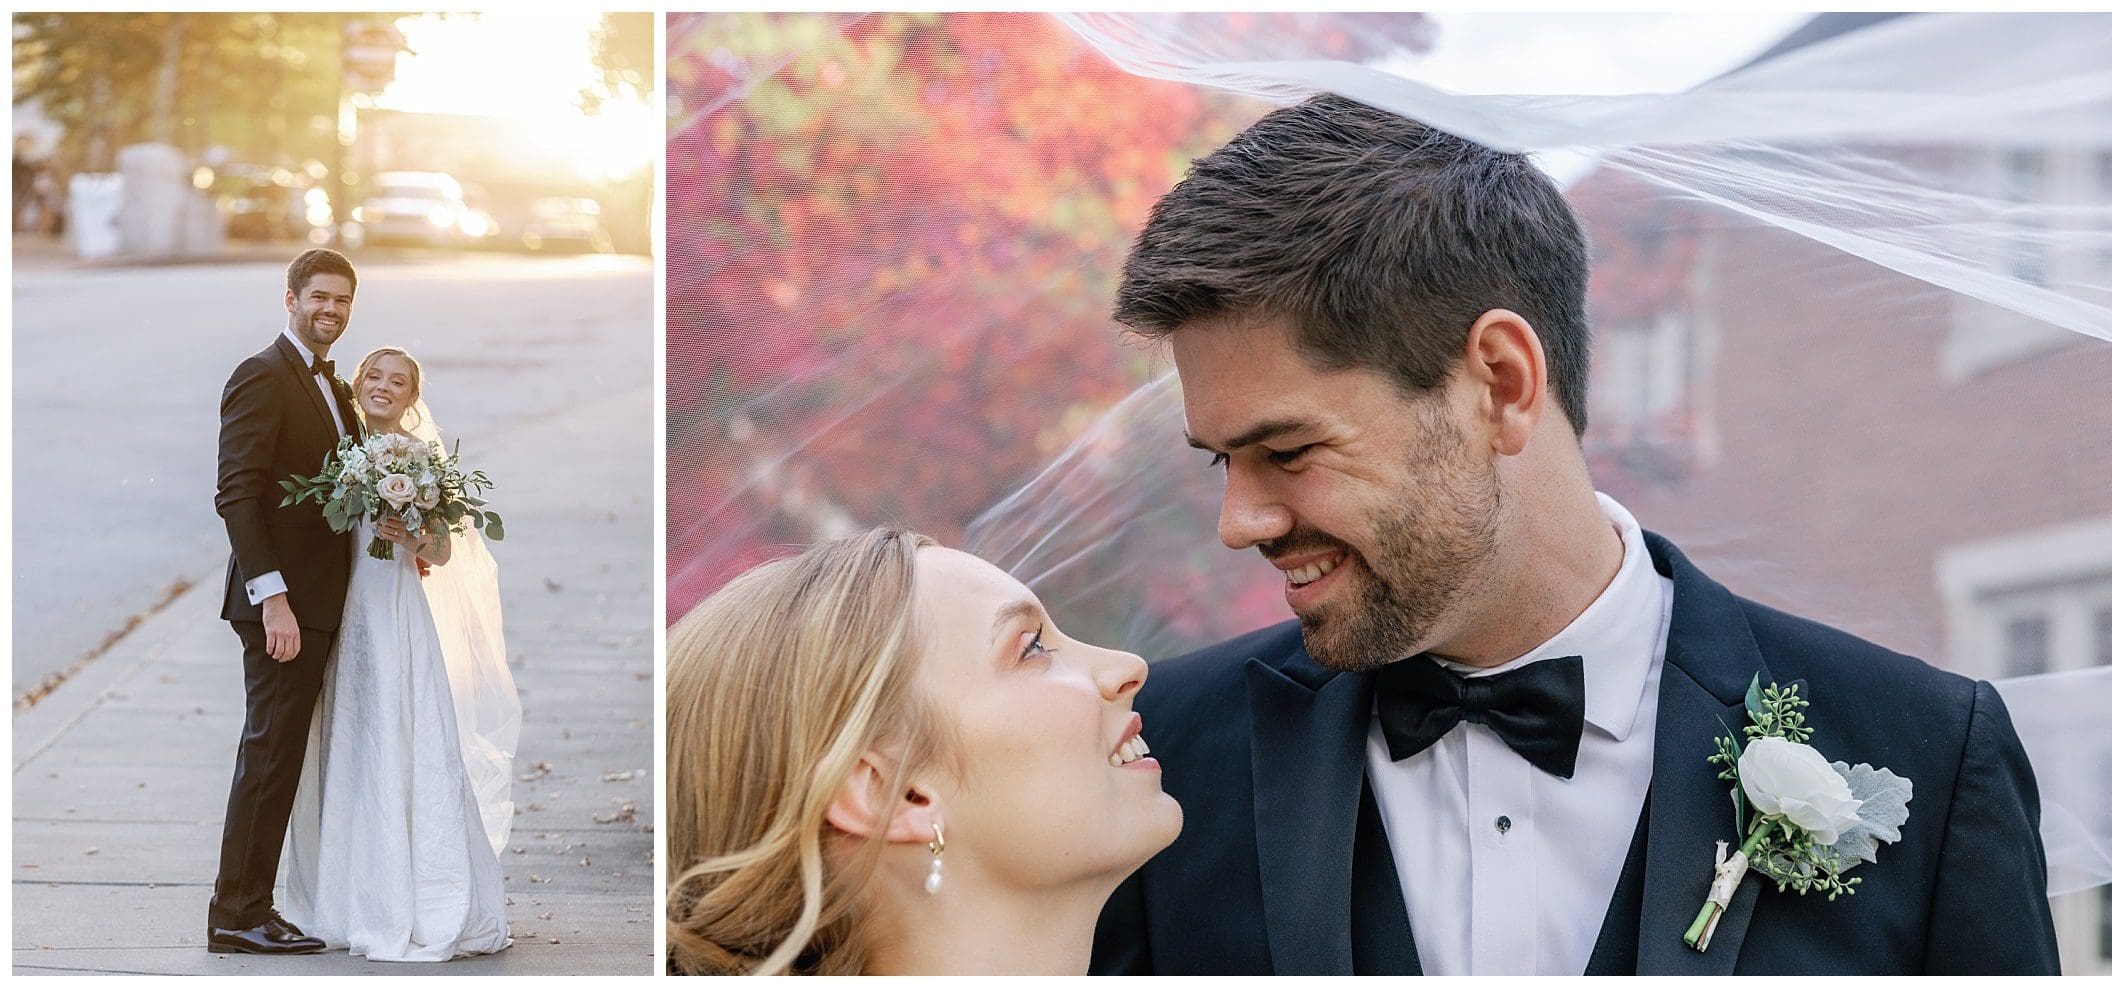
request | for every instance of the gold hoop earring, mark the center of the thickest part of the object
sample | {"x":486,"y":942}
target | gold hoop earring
{"x":935,"y":880}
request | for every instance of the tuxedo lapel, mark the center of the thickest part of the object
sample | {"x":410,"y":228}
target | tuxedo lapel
{"x":1308,"y":730}
{"x":298,"y":362}
{"x":1711,"y":658}
{"x":356,"y":426}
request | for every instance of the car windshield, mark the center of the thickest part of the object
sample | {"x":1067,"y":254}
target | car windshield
{"x":409,"y":192}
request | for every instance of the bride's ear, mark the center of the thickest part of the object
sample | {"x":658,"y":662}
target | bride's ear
{"x":866,"y":806}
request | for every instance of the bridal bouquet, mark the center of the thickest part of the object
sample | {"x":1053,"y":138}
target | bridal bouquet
{"x":393,"y":476}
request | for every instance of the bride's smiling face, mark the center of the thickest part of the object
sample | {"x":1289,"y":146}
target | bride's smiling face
{"x":1053,"y":789}
{"x":386,"y":389}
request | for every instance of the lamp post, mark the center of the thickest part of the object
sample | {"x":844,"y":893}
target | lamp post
{"x":368,"y":57}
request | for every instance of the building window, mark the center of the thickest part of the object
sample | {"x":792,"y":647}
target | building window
{"x":2027,"y":646}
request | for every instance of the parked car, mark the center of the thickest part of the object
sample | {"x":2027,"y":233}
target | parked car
{"x":260,"y":203}
{"x":421,"y":208}
{"x":570,"y":222}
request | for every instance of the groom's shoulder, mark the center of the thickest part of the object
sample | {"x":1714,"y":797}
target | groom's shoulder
{"x":256,"y":366}
{"x":1866,"y":687}
{"x":267,"y":358}
{"x":1792,"y":644}
{"x":1214,"y":677}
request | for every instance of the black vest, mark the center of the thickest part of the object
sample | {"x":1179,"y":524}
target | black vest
{"x":1380,"y":941}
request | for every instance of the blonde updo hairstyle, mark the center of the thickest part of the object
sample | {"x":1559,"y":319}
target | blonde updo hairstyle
{"x":777,"y":685}
{"x":362,"y":371}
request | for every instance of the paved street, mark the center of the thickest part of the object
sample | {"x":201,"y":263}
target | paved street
{"x":543,"y":368}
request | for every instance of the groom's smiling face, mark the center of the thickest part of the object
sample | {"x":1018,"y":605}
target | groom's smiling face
{"x":1375,"y":505}
{"x":319,"y":312}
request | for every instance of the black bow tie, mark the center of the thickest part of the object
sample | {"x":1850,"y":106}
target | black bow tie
{"x":1538,"y":709}
{"x":319,"y":365}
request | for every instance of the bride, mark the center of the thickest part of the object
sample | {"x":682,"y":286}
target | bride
{"x":404,"y":806}
{"x":884,"y":758}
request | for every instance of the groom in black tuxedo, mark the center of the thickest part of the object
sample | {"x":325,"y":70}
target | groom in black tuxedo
{"x":1481,"y":748}
{"x":282,"y":412}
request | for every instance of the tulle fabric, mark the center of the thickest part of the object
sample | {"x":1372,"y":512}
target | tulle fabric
{"x":465,"y":599}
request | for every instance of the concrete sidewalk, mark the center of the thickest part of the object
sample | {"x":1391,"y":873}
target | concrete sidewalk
{"x":121,"y":775}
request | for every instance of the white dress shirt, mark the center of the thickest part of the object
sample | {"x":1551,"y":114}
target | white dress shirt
{"x":1506,"y":869}
{"x":268,"y":584}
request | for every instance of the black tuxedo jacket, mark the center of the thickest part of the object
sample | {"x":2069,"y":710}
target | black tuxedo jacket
{"x":1281,"y":866}
{"x":274,"y":424}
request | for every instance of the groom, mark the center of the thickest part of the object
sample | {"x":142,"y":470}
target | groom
{"x":282,"y":413}
{"x":1481,"y":748}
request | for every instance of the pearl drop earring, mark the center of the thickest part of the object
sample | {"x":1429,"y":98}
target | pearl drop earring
{"x":935,"y":880}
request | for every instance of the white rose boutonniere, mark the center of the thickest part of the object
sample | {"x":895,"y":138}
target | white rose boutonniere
{"x":1788,"y":779}
{"x":1803,"y":820}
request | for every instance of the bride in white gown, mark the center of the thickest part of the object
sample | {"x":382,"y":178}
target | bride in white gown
{"x":404,"y":805}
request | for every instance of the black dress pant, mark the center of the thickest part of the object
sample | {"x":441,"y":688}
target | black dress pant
{"x":279,"y":700}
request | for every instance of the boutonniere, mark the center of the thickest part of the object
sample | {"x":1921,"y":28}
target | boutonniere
{"x":1803,"y":821}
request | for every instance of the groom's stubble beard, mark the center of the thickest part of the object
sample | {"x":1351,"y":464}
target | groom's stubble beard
{"x":1428,"y":550}
{"x":307,"y":330}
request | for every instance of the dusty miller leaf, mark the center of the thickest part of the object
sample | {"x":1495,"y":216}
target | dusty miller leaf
{"x":1884,"y":799}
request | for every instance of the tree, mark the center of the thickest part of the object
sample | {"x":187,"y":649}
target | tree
{"x":264,"y":85}
{"x":891,"y":244}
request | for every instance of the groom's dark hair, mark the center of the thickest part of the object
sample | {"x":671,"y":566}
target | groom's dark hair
{"x":316,"y":261}
{"x":1381,"y":238}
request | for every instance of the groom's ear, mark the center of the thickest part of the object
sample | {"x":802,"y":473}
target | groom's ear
{"x":867,"y":805}
{"x":1505,"y":361}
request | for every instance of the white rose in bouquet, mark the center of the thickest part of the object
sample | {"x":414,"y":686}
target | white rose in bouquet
{"x":430,"y":496}
{"x":1784,"y":778}
{"x":398,"y":489}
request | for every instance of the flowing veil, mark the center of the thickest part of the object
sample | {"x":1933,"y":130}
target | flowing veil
{"x":1850,"y":307}
{"x":464,"y":596}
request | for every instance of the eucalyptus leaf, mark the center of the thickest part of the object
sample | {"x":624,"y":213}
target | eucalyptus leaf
{"x":1755,"y":696}
{"x":494,"y":530}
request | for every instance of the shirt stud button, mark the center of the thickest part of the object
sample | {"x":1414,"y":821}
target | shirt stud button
{"x":1504,"y":823}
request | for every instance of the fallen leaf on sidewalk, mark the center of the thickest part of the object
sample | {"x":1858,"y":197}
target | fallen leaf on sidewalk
{"x":625,"y":814}
{"x":538,"y":771}
{"x":93,"y":850}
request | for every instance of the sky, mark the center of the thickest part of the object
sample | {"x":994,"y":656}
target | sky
{"x":528,"y":65}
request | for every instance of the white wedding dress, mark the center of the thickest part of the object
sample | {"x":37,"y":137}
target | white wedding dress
{"x":404,"y":806}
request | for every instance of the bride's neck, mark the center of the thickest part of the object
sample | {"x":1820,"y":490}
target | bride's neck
{"x":375,"y":426}
{"x":973,"y":930}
